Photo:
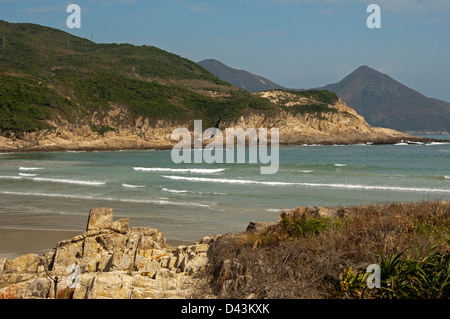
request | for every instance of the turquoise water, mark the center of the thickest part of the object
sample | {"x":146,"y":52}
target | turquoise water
{"x":189,"y":201}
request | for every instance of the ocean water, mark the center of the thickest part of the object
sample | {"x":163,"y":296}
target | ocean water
{"x":188,"y":201}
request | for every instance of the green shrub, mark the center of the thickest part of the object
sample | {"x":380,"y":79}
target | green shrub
{"x":413,"y":276}
{"x":321,"y":96}
{"x":311,"y":109}
{"x":26,"y":103}
{"x":301,"y":225}
{"x":416,"y":276}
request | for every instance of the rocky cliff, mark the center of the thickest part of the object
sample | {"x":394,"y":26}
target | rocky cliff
{"x":337,"y":124}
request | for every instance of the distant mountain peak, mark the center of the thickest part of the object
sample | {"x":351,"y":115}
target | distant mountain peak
{"x":385,"y":102}
{"x":364,"y":68}
{"x":239,"y":78}
{"x":365,"y":71}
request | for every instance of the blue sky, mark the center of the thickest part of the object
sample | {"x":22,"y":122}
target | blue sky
{"x":295,"y":43}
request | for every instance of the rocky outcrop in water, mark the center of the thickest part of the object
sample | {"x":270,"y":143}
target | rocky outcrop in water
{"x":108,"y":260}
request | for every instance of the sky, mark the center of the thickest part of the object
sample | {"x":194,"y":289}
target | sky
{"x":294,"y":43}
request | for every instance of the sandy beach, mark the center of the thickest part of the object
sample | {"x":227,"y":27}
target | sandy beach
{"x":18,"y":242}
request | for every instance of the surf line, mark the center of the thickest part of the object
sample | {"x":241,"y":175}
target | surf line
{"x":213,"y":152}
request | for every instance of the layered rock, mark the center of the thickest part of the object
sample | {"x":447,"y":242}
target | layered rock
{"x":115,"y":261}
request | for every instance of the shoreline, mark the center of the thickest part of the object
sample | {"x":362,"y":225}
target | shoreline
{"x":413,"y":140}
{"x":16,"y":242}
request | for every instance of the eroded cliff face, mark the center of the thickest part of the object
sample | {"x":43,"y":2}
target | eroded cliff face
{"x":121,"y":131}
{"x":341,"y":126}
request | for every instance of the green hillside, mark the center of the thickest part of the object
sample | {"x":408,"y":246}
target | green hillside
{"x":47,"y":74}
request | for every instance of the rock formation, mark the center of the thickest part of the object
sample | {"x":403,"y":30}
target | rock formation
{"x":342,"y":127}
{"x":115,"y":261}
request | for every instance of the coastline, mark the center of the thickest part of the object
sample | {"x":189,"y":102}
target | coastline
{"x":413,"y":140}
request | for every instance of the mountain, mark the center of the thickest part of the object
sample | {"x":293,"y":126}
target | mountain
{"x":61,"y":92}
{"x":239,"y":78}
{"x":385,"y":102}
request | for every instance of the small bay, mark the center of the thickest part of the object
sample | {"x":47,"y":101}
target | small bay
{"x":55,"y":191}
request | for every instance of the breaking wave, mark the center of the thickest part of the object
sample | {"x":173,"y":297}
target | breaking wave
{"x":122,"y":200}
{"x":180,"y":170}
{"x":27,"y":175}
{"x":132,"y":186}
{"x":190,"y":192}
{"x":344,"y":186}
{"x":56,"y":180}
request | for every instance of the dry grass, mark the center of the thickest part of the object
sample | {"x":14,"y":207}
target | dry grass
{"x":303,"y":256}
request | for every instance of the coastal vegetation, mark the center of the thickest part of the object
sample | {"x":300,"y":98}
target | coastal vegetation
{"x":50,"y":76}
{"x":312,"y":255}
{"x":26,"y":102}
{"x":321,"y":96}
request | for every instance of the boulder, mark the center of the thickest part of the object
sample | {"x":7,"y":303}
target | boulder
{"x":65,"y":255}
{"x":28,"y":263}
{"x":33,"y":288}
{"x":9,"y":292}
{"x":100,"y":218}
{"x":2,"y":264}
{"x":112,"y":286}
{"x":258,"y":227}
{"x":121,"y":225}
{"x":38,"y":288}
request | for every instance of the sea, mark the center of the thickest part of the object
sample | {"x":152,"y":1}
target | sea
{"x":187,"y":201}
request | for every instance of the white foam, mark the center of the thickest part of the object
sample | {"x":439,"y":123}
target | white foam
{"x":159,"y":201}
{"x":48,"y":195}
{"x":180,"y":170}
{"x":27,"y":175}
{"x":54,"y":180}
{"x":437,"y":143}
{"x":132,"y":186}
{"x":29,"y":168}
{"x":340,"y":165}
{"x":306,"y":171}
{"x":401,"y":144}
{"x":174,"y":190}
{"x":68,"y":181}
{"x":214,"y":193}
{"x":224,"y":180}
{"x":191,"y":192}
{"x":11,"y":177}
{"x":416,"y":143}
{"x":344,"y":186}
{"x":123,"y":200}
{"x":446,"y":176}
